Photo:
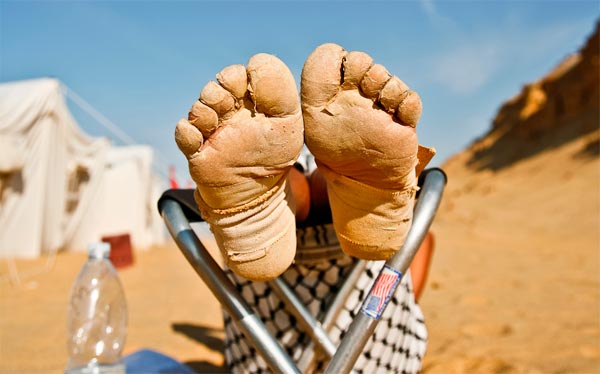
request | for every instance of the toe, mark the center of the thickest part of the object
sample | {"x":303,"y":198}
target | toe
{"x":204,"y":118}
{"x":272,"y":86}
{"x":235,"y":80}
{"x":409,"y":110}
{"x":219,"y":99}
{"x":322,"y":74}
{"x":188,"y":138}
{"x":356,"y":65}
{"x":392,"y":94}
{"x":374,"y":80}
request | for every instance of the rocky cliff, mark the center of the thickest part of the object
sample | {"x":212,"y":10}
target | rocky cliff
{"x":560,"y":107}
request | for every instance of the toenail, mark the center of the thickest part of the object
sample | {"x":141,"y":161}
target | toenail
{"x":188,"y":138}
{"x":392,"y":94}
{"x":234,"y":79}
{"x":374,"y":80}
{"x":218,"y":98}
{"x":409,"y":110}
{"x":202,"y":116}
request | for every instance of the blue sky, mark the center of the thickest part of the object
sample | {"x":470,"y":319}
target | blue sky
{"x":142,"y":64}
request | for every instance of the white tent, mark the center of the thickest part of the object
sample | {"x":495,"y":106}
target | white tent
{"x":128,"y":192}
{"x":60,"y":188}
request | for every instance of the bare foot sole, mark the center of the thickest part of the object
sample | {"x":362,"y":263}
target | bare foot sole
{"x":241,"y":138}
{"x":359,"y":123}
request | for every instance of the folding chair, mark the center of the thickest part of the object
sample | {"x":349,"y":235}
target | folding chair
{"x":178,"y":209}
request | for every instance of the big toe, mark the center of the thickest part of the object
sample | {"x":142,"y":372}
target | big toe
{"x":322,"y":74}
{"x":272,"y":86}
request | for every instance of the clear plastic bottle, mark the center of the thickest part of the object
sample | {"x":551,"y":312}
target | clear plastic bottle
{"x":97,"y":318}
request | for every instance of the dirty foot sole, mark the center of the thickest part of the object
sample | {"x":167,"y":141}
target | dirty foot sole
{"x":241,"y":138}
{"x":359,"y":123}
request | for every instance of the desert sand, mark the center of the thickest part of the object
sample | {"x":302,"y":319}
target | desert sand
{"x":170,"y":310}
{"x":514,"y":285}
{"x":515,"y":281}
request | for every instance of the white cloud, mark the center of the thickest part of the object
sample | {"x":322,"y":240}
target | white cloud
{"x":466,"y":69}
{"x":429,"y":7}
{"x":468,"y":62}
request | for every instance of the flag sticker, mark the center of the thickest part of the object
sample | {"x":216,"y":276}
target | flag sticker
{"x":381,"y":292}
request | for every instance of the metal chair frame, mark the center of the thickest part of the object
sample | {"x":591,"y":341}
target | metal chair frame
{"x":178,"y":212}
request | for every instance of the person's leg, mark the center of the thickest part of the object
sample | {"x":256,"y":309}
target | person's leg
{"x":359,"y":123}
{"x":419,"y":267}
{"x":311,"y":194}
{"x":241,"y":139}
{"x":301,"y":191}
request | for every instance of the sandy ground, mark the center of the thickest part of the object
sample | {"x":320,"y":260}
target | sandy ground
{"x":514,"y":285}
{"x":170,"y":310}
{"x":515,"y":281}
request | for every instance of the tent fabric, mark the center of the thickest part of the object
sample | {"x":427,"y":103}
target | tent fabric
{"x":129,"y":193}
{"x":55,"y":179}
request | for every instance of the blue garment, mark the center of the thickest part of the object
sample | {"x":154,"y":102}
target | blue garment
{"x":146,"y":361}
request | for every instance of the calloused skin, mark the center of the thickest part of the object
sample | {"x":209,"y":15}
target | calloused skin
{"x":310,"y":194}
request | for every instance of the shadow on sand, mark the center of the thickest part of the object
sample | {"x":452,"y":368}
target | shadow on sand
{"x":207,"y":336}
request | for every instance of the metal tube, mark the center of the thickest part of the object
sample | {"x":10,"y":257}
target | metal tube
{"x":342,"y":296}
{"x":216,"y":280}
{"x":307,"y":359}
{"x":363,"y":325}
{"x":307,"y":322}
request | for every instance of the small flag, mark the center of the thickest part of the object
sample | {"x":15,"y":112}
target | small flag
{"x":172,"y":177}
{"x":381,"y":292}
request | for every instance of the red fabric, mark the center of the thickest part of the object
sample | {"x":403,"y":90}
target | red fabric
{"x":172,"y":177}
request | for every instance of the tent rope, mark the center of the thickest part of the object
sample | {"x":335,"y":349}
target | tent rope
{"x":161,"y":165}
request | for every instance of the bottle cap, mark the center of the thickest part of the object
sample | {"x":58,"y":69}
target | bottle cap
{"x":99,"y":250}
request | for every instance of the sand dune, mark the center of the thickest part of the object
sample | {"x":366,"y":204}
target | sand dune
{"x":515,"y":282}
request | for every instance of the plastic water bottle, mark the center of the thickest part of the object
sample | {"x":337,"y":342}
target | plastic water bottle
{"x":97,"y":324}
